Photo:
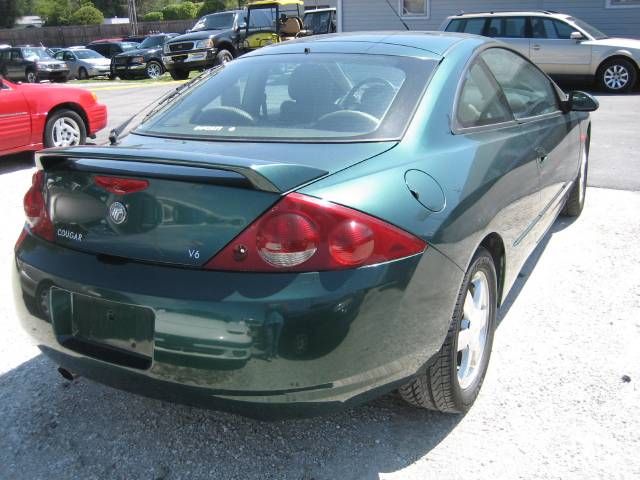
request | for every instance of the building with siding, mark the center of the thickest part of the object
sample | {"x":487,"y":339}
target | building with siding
{"x":619,"y":18}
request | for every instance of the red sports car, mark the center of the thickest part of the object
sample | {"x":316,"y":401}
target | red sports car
{"x":37,"y":116}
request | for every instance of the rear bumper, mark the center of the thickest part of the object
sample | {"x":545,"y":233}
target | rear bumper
{"x":266,"y":345}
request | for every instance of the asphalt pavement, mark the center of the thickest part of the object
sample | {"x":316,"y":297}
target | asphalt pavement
{"x":560,"y":399}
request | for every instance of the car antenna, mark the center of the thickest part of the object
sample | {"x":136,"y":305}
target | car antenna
{"x":398,"y":15}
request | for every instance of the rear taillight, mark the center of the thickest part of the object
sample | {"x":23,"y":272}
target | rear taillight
{"x":35,"y":209}
{"x":121,"y":186}
{"x":304,"y":234}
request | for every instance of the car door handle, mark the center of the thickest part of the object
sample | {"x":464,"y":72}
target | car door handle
{"x":536,"y":47}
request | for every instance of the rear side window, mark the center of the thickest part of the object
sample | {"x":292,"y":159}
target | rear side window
{"x":507,"y":27}
{"x":528,"y":91}
{"x":481,"y":102}
{"x":455,"y":26}
{"x":474,"y":25}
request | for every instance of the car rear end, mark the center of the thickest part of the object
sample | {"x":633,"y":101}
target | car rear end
{"x":216,"y":273}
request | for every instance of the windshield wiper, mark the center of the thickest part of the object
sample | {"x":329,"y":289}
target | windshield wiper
{"x":154,"y":107}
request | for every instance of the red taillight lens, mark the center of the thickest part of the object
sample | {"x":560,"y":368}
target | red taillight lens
{"x":287,"y":239}
{"x":305,"y":234}
{"x":121,"y":186}
{"x":36,"y":210}
{"x":351,"y":243}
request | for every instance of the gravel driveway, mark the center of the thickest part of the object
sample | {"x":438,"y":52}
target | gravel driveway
{"x":555,"y":403}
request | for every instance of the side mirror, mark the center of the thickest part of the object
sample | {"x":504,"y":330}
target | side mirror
{"x":576,"y":36}
{"x":582,"y":102}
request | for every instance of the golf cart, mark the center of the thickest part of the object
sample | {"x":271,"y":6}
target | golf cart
{"x":275,"y":21}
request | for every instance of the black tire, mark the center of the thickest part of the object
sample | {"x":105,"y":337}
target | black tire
{"x":151,"y":67}
{"x":64,"y":113}
{"x":438,"y":387}
{"x":575,"y":201}
{"x":223,"y":56}
{"x":179,"y":74}
{"x":82,"y":73}
{"x":30,"y":76}
{"x":112,"y":76}
{"x":617,"y":75}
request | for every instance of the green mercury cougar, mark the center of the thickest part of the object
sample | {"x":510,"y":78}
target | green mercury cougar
{"x":305,"y":228}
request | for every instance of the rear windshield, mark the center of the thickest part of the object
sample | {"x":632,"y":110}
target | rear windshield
{"x":318,"y":97}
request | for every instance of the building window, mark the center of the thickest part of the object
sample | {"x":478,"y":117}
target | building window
{"x":414,"y":8}
{"x":622,"y":3}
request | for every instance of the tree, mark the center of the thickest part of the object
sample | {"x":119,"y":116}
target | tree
{"x":211,"y":6}
{"x":54,"y":12}
{"x":153,"y":17}
{"x":179,"y":11}
{"x":87,"y":15}
{"x":10,"y":11}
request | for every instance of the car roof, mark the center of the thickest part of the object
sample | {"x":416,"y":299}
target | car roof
{"x":419,"y":44}
{"x":512,"y":13}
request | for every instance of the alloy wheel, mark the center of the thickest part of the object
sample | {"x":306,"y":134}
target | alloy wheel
{"x":65,"y":132}
{"x":616,"y":77}
{"x":472,"y":336}
{"x":154,"y":70}
{"x":31,"y":77}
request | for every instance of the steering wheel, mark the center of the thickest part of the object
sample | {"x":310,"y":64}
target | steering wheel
{"x":228,"y":116}
{"x":347,"y":121}
{"x":350,"y":99}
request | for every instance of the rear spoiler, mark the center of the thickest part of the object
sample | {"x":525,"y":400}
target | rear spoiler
{"x":259,"y":175}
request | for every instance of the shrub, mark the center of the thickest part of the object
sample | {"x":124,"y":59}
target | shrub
{"x":153,"y":17}
{"x":180,"y":11}
{"x":211,"y":6}
{"x":87,"y":16}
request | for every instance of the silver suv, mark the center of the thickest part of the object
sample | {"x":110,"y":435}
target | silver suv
{"x":561,"y":45}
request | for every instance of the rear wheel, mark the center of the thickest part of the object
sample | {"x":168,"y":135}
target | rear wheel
{"x":617,"y":75}
{"x":31,"y":77}
{"x":575,"y":201}
{"x":154,"y":69}
{"x":452,"y":382}
{"x":179,"y":74}
{"x":82,"y":73}
{"x":64,"y":128}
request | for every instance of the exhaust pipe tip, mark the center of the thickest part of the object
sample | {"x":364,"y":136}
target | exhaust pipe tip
{"x":66,"y":374}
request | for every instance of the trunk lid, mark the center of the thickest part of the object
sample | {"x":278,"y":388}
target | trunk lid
{"x":194,"y":201}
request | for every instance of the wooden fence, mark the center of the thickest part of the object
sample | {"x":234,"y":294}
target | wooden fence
{"x":83,"y":34}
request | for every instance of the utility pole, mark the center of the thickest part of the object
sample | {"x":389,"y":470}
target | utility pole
{"x":133,"y":17}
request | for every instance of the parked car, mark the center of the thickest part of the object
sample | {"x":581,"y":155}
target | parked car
{"x":111,"y":48}
{"x":31,"y":64}
{"x":563,"y":46}
{"x":214,"y":39}
{"x":37,"y":116}
{"x":220,"y":37}
{"x":53,"y":50}
{"x":144,"y":61}
{"x":361,"y":203}
{"x":84,"y":63}
{"x":319,"y":21}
